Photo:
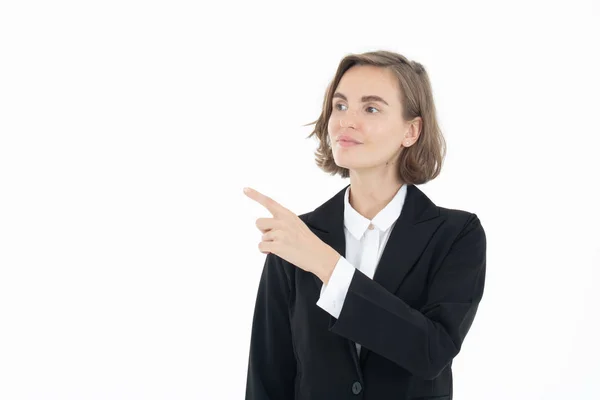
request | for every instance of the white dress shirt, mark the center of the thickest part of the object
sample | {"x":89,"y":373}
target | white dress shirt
{"x":365,"y":241}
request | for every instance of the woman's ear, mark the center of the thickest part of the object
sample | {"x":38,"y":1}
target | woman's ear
{"x":413,"y":133}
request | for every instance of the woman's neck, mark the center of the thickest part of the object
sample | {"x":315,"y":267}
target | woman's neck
{"x":369,"y":196}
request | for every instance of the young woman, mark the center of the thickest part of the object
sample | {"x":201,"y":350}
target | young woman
{"x":371,"y":295}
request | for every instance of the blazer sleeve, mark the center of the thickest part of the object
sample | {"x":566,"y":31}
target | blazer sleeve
{"x":272,"y":361}
{"x":422,"y":341}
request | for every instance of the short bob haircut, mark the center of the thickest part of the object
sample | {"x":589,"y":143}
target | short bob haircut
{"x":418,"y":163}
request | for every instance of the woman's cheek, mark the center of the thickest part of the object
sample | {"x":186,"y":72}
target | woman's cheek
{"x":331,"y":126}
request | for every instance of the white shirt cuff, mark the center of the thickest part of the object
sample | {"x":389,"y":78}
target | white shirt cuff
{"x":334,"y":292}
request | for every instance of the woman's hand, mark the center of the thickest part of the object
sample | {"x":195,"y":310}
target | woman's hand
{"x":287,"y":236}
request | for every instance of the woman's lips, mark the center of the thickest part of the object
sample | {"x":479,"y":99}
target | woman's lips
{"x":347,"y":143}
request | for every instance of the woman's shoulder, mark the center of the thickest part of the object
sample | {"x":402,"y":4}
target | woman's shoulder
{"x":461,"y":221}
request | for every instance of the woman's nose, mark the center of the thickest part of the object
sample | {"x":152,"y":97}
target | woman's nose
{"x":347,"y":122}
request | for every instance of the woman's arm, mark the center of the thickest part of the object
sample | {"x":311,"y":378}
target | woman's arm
{"x":272,"y":363}
{"x":422,"y":341}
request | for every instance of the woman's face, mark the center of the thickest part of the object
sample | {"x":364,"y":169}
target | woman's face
{"x":366,"y":108}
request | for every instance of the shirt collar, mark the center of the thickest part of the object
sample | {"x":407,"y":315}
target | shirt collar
{"x":357,"y":224}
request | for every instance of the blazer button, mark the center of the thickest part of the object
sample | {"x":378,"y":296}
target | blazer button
{"x":356,"y":387}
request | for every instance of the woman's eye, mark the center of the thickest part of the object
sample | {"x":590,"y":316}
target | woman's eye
{"x":339,"y":105}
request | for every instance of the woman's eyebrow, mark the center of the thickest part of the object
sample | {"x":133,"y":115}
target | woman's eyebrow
{"x":364,"y":99}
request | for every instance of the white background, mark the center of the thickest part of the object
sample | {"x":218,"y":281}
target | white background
{"x":128,"y":253}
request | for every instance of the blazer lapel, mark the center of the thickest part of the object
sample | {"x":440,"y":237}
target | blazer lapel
{"x":417,"y":222}
{"x":327,"y":222}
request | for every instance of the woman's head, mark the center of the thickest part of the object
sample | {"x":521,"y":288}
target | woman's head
{"x":384,"y":101}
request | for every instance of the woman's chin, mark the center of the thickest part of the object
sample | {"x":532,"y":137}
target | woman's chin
{"x":351,"y":164}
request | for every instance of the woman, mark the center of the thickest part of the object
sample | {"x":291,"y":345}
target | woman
{"x":371,"y":294}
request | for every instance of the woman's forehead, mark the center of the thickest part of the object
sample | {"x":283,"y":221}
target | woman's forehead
{"x":362,"y":81}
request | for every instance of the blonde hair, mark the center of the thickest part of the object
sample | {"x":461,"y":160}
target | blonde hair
{"x":418,"y":163}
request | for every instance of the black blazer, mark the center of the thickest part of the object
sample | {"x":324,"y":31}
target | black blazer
{"x":411,"y":318}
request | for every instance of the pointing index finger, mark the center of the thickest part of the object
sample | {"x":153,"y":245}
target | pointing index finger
{"x":274,"y":207}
